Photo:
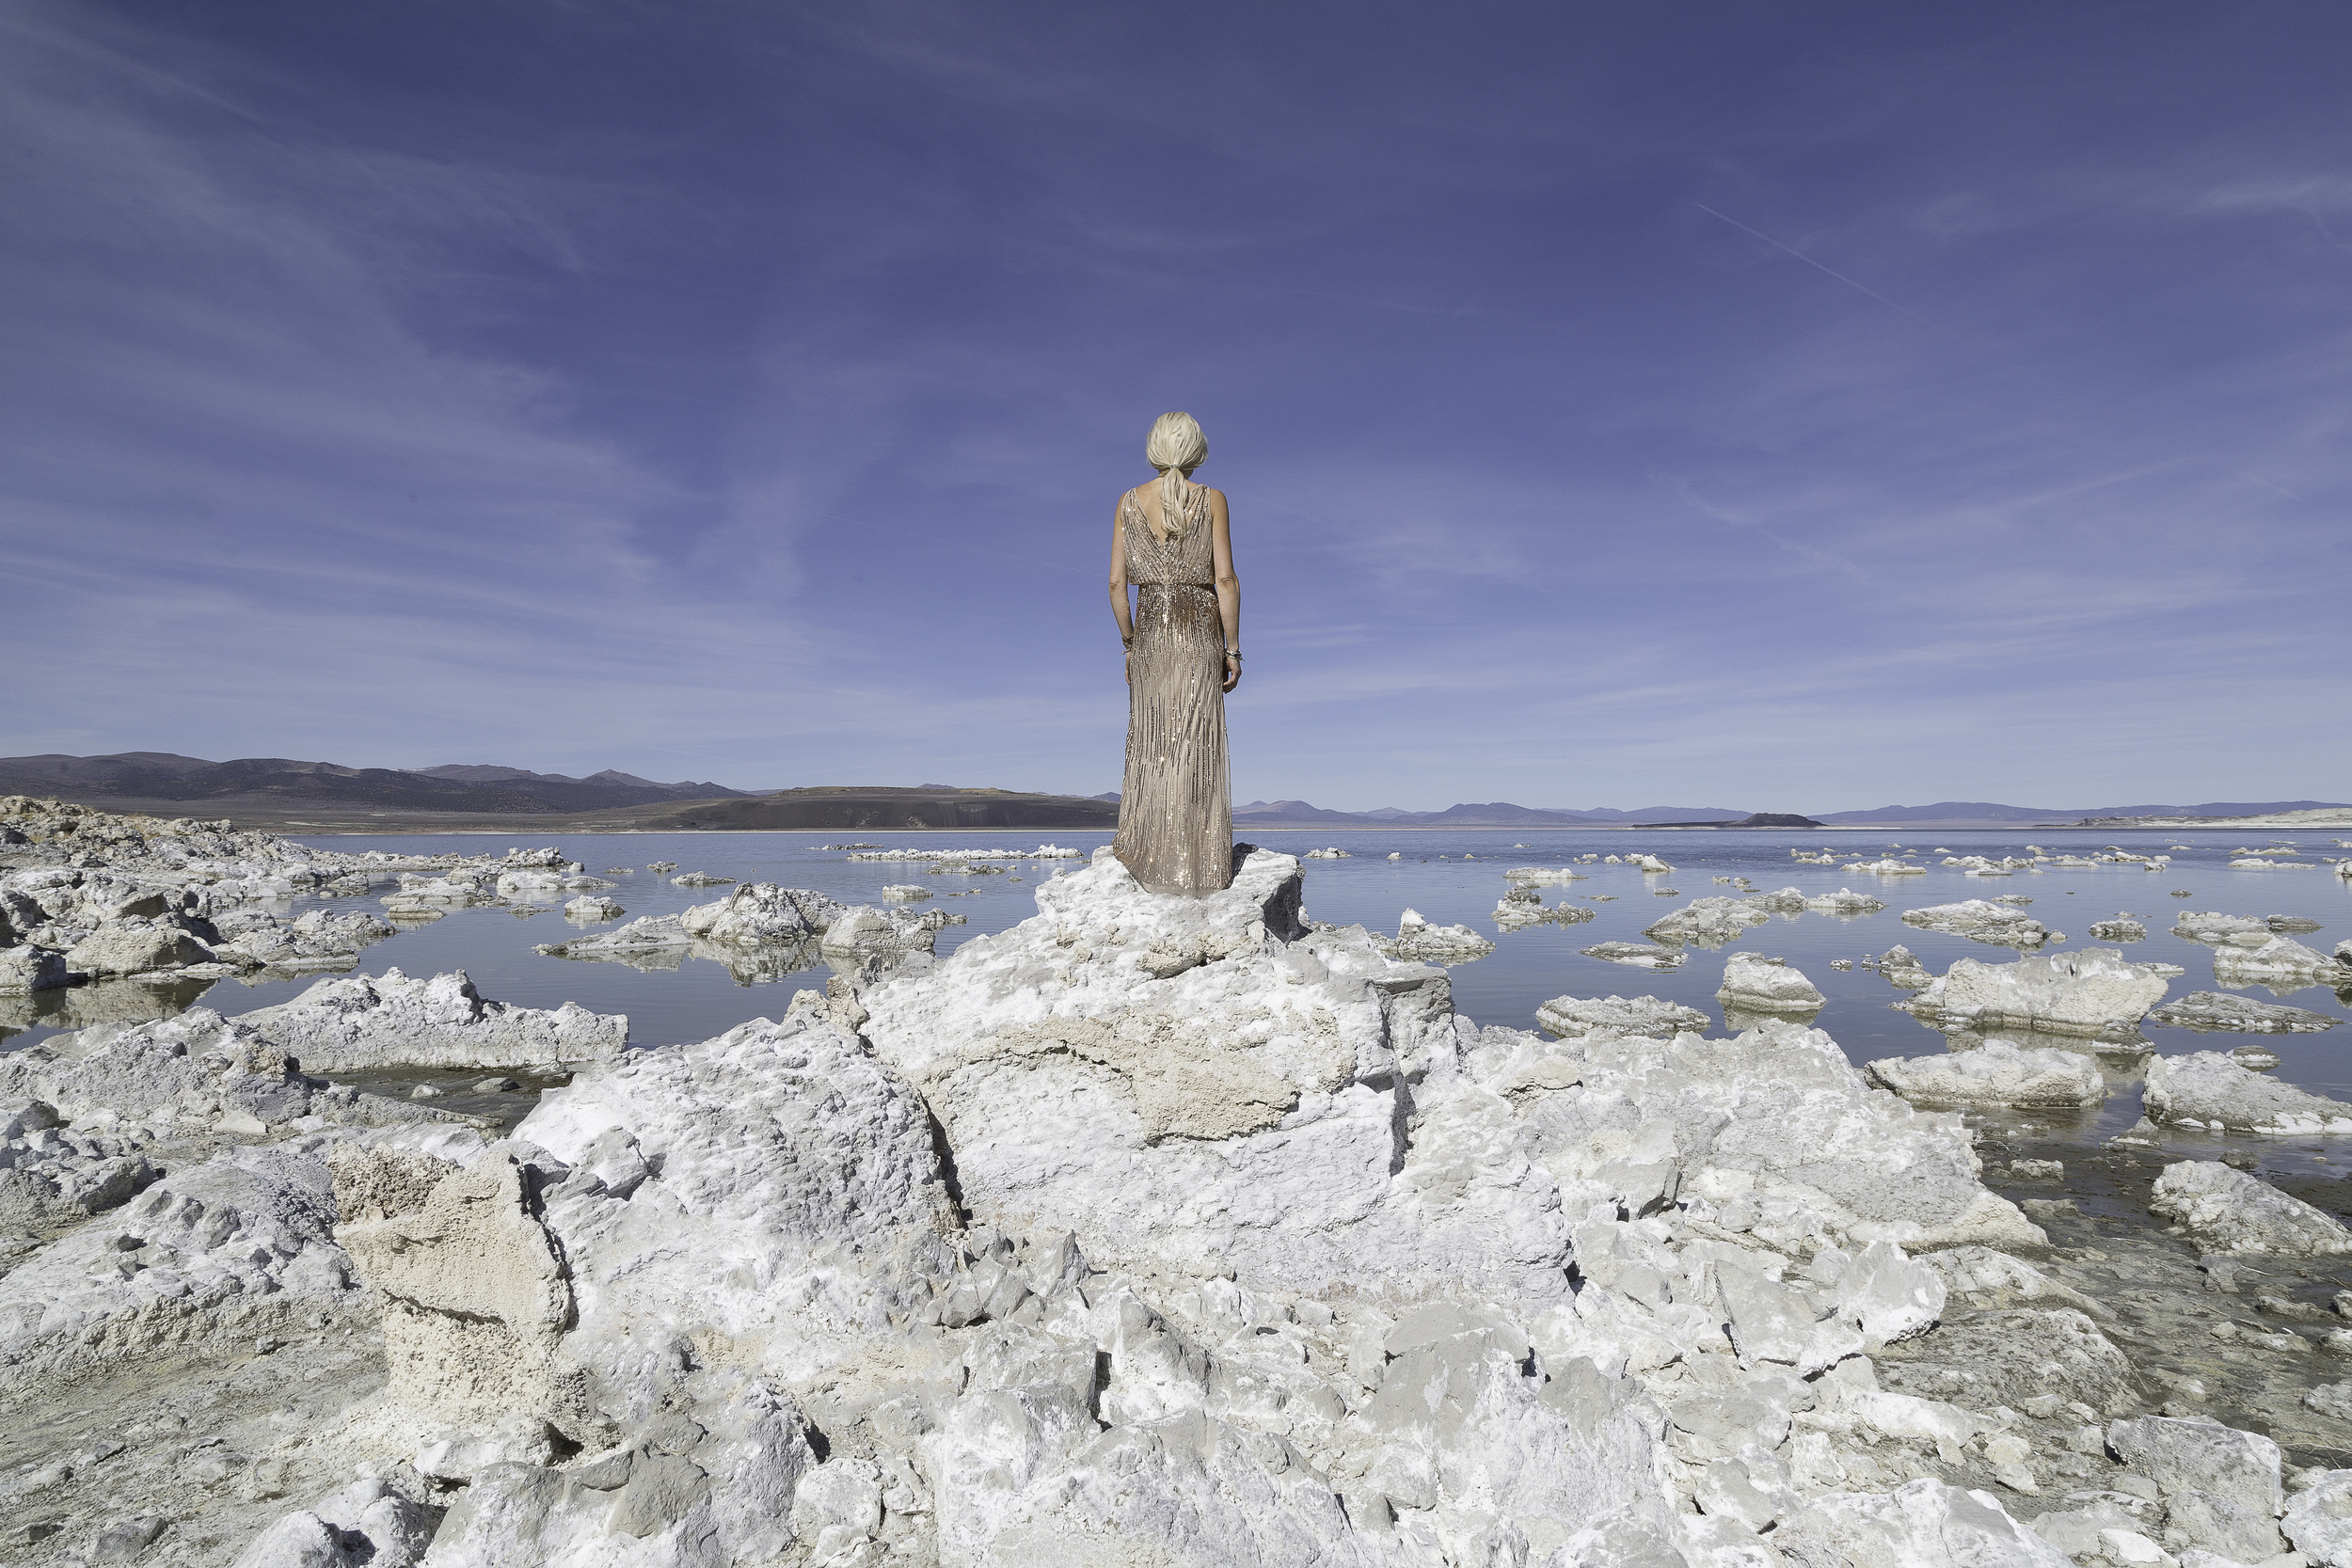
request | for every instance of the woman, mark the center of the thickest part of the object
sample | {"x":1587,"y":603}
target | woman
{"x":1172,"y":541}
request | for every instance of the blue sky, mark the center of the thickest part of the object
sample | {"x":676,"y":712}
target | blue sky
{"x":1790,"y":407}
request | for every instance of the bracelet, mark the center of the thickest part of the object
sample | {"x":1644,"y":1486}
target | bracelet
{"x":1233,"y":654}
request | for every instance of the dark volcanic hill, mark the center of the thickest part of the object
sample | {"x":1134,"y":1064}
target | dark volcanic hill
{"x":876,"y":808}
{"x":191,"y":787}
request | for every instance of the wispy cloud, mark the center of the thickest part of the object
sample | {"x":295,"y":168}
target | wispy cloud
{"x":744,"y":394}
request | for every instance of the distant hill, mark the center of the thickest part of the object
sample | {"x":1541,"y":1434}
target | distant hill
{"x":1958,"y":812}
{"x":191,"y":787}
{"x":877,"y":808}
{"x":1496,"y":813}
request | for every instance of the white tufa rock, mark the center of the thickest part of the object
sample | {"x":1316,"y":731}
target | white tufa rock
{"x":2207,"y":1089}
{"x":1981,"y":920}
{"x":2079,"y":995}
{"x":2205,"y":1010}
{"x":1997,"y":1073}
{"x":389,"y":1020}
{"x":1756,"y":983}
{"x":1572,"y":1016}
{"x":2282,"y":961}
{"x":2231,"y":1213}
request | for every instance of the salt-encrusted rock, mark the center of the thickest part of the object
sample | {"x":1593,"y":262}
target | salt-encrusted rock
{"x":28,"y":969}
{"x":1572,"y":1016}
{"x":2118,"y":930}
{"x":1984,"y":1277}
{"x":1042,"y":852}
{"x":2006,"y":1357}
{"x":135,"y":946}
{"x":1900,"y":966}
{"x":1416,"y":938}
{"x":2187,"y":1457}
{"x":1980,"y":919}
{"x":54,"y":1176}
{"x":195,"y":1071}
{"x":2209,"y":1090}
{"x":759,"y":913}
{"x":2230,"y":1211}
{"x":390,"y":1019}
{"x":1924,"y":1522}
{"x":1844,"y":901}
{"x":1522,"y":907}
{"x":1889,"y":868}
{"x":591,"y":908}
{"x":459,"y":888}
{"x":2206,"y":1010}
{"x":2078,"y":995}
{"x":1637,"y":955}
{"x":556,"y":1279}
{"x":646,"y":934}
{"x":2282,"y":961}
{"x":700,"y":878}
{"x":1539,"y":876}
{"x":2319,"y":1516}
{"x":864,"y":933}
{"x":226,"y":1249}
{"x":318,"y":938}
{"x":371,"y":1521}
{"x":1709,"y":921}
{"x":1756,"y":983}
{"x":1996,"y":1073}
{"x":2215,"y":930}
{"x":905,"y":893}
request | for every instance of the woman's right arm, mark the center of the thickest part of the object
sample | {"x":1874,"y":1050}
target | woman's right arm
{"x":1120,"y":609}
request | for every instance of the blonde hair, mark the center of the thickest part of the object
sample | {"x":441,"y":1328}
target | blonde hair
{"x":1175,"y":447}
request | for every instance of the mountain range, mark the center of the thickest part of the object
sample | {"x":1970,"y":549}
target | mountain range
{"x":177,"y":786}
{"x":1943,"y":814}
{"x":163,"y":780}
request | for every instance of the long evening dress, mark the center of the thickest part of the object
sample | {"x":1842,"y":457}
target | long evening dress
{"x":1176,"y":809}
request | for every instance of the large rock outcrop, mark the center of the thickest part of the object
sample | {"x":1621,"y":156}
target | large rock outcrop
{"x":1981,"y":920}
{"x":1997,"y":1073}
{"x":2072,"y":995}
{"x":2206,"y":1089}
{"x":390,"y":1019}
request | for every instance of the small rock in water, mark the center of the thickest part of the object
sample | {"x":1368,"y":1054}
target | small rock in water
{"x":2210,"y":1009}
{"x":1641,"y":954}
{"x":424,"y":1091}
{"x":2037,"y":1170}
{"x":497,"y":1085}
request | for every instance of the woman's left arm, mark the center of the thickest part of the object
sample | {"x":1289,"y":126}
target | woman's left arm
{"x":1228,"y":584}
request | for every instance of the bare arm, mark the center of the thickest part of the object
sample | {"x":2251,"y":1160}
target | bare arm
{"x":1228,"y":584}
{"x":1119,"y":611}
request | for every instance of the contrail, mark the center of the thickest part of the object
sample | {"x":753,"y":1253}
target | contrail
{"x":1811,"y":262}
{"x":2267,"y":485}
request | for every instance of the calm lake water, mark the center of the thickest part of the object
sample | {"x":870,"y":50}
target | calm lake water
{"x":1449,"y":876}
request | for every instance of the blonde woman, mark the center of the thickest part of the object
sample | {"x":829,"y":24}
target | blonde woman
{"x":1172,"y":541}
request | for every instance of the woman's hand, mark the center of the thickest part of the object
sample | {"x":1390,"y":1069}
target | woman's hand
{"x":1233,"y":671}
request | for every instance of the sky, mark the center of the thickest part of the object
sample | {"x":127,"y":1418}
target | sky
{"x":1791,"y":408}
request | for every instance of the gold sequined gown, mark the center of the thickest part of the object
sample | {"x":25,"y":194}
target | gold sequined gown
{"x":1176,"y":809}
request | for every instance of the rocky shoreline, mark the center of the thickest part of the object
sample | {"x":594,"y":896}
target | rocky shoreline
{"x":1147,"y":1230}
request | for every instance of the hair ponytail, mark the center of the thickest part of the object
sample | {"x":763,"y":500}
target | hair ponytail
{"x":1175,"y":447}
